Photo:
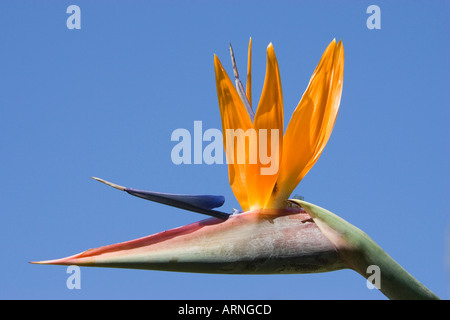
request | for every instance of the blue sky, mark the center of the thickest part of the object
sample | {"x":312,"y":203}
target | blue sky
{"x":103,"y":101}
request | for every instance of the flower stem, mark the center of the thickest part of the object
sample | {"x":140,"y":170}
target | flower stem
{"x":360,"y":252}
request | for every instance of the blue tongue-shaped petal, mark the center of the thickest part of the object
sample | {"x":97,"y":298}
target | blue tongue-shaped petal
{"x":196,"y":203}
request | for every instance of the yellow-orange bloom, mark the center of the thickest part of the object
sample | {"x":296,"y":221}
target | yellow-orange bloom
{"x":306,"y":135}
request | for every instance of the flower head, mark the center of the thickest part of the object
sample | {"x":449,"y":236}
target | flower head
{"x":301,"y":145}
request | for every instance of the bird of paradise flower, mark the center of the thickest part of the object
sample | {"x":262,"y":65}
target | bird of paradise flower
{"x":306,"y":135}
{"x":273,"y":235}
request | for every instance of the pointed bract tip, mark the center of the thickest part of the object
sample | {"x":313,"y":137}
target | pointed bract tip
{"x":52,"y":262}
{"x":40,"y":262}
{"x":116,"y":186}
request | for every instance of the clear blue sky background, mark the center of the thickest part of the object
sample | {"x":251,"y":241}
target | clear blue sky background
{"x":104,"y":100}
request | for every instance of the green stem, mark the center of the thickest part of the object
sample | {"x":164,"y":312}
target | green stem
{"x":359,"y":251}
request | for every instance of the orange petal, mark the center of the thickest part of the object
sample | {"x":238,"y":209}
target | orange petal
{"x":312,"y":122}
{"x":234,"y":117}
{"x":336,"y":92}
{"x":268,"y":125}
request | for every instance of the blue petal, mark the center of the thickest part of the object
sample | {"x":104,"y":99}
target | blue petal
{"x":203,"y":201}
{"x":197,"y":203}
